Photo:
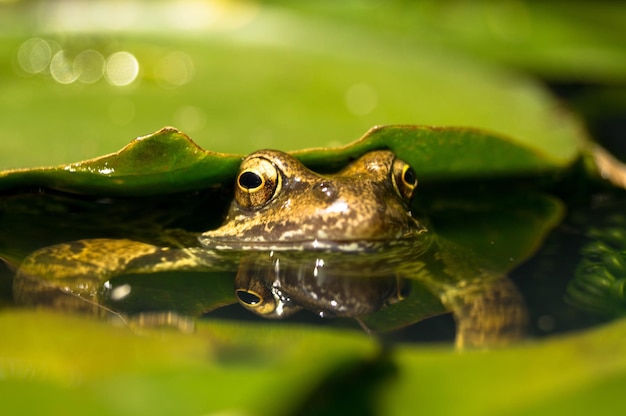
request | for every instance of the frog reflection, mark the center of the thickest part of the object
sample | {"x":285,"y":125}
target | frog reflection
{"x":276,"y":287}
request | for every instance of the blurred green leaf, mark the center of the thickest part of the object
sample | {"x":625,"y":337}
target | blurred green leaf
{"x":285,"y":80}
{"x":223,"y":367}
{"x":558,"y":40}
{"x":240,"y":368}
{"x":572,"y":374}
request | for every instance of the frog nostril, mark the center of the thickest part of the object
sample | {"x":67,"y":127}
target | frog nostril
{"x":325,"y":190}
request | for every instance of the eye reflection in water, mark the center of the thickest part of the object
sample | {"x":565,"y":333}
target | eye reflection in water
{"x":277,"y":287}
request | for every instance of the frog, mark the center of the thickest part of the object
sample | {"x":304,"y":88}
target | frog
{"x":281,"y":206}
{"x":358,"y":218}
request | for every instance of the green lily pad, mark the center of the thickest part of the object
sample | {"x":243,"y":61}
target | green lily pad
{"x":565,"y":375}
{"x":210,"y":372}
{"x":168,"y":161}
{"x":198,"y":373}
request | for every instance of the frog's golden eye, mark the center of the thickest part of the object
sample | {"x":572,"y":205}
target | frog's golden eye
{"x":255,"y":301}
{"x":257,"y":183}
{"x":404,"y":178}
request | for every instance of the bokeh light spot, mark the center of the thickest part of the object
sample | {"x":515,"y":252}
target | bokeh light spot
{"x":122,"y":68}
{"x":62,"y":68}
{"x":34,"y":55}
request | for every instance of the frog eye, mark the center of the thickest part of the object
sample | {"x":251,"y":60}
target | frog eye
{"x":257,"y":183}
{"x":404,"y":178}
{"x":255,"y":301}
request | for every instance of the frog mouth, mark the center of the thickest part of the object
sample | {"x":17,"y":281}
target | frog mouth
{"x":414,"y":238}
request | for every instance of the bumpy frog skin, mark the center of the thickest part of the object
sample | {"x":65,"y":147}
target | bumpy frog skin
{"x":281,"y":206}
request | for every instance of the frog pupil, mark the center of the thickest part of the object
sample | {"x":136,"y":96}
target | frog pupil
{"x":250,"y":180}
{"x":248,"y":298}
{"x":409,"y":176}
